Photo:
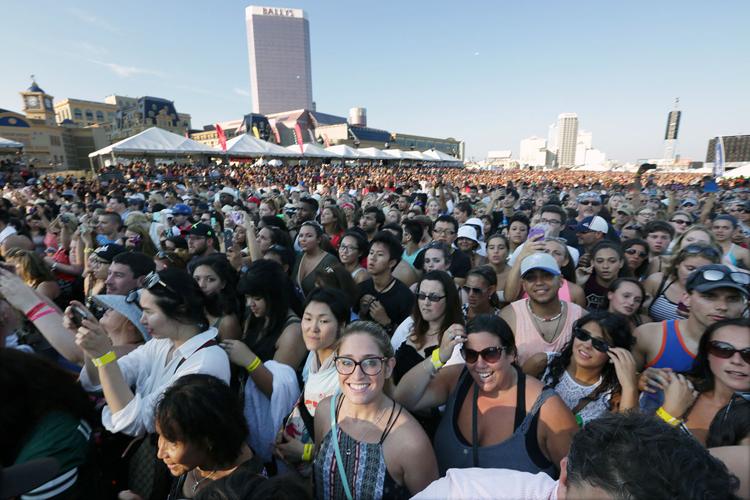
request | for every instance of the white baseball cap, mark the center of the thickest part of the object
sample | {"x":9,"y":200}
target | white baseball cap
{"x":543,"y":261}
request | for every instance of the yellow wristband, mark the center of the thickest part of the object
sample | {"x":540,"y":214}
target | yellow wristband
{"x":88,"y":250}
{"x":307,"y":453}
{"x":436,"y":359}
{"x":105,"y":359}
{"x":253,"y":366}
{"x":664,"y":415}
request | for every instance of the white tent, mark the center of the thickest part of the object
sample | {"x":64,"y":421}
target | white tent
{"x":416,"y":155}
{"x":8,"y":144}
{"x":743,"y":171}
{"x":374,"y":154}
{"x":344,"y":151}
{"x":155,"y":141}
{"x":438,"y":155}
{"x":312,"y":151}
{"x":395,"y":154}
{"x":250,"y":146}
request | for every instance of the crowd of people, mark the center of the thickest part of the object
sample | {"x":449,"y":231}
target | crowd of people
{"x":222,"y":332}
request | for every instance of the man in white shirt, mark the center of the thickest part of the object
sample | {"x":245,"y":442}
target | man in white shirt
{"x":616,"y":456}
{"x":5,"y":229}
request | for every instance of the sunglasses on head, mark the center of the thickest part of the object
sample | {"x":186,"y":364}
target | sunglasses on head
{"x":430,"y":297}
{"x":489,"y":354}
{"x":696,"y":249}
{"x":153,"y":279}
{"x":718,"y":275}
{"x":161,"y":255}
{"x":737,"y":396}
{"x":724,"y":350}
{"x":585,"y":336}
{"x":633,"y":251}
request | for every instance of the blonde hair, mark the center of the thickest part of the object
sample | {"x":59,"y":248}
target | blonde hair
{"x":29,"y":266}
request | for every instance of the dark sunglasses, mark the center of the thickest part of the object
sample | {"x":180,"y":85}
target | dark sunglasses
{"x":585,"y":336}
{"x":680,"y":221}
{"x":590,"y":202}
{"x":161,"y":255}
{"x":725,"y":351}
{"x":633,"y":251}
{"x":470,"y":289}
{"x":490,"y":354}
{"x":696,"y":249}
{"x":633,"y":228}
{"x":737,"y":396}
{"x":431,"y":297}
{"x":620,"y":212}
{"x":718,"y":275}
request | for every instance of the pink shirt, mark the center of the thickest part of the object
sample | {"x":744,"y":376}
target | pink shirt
{"x":528,"y":340}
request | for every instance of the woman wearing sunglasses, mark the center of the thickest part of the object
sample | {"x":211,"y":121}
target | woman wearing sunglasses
{"x":720,"y":370}
{"x":668,"y":288}
{"x":636,"y":257}
{"x":368,"y":447}
{"x":479,"y":293}
{"x":495,"y":417}
{"x":595,"y":372}
{"x":181,"y":343}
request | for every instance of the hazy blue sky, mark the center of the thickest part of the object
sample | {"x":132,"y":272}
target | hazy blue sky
{"x":490,"y":73}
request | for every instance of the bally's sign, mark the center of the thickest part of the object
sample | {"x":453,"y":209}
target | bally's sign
{"x":277,"y":12}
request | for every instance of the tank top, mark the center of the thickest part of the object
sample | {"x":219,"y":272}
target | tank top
{"x":563,"y":293}
{"x":528,"y":339}
{"x":673,"y":353}
{"x":730,"y":256}
{"x":518,"y":452}
{"x":663,"y":309}
{"x":364,"y":464}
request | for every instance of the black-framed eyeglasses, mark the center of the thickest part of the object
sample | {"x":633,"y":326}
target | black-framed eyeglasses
{"x":432,"y":297}
{"x":488,"y":354}
{"x":470,"y":289}
{"x":348,"y":248}
{"x":584,"y":336}
{"x":737,"y":396}
{"x":369,"y":366}
{"x":152,"y":279}
{"x":633,"y":251}
{"x":718,"y":275}
{"x":724,"y":350}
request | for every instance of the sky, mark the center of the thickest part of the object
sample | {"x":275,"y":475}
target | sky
{"x":490,"y":73}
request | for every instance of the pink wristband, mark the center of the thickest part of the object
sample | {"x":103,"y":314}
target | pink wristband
{"x":35,"y":309}
{"x":41,"y":314}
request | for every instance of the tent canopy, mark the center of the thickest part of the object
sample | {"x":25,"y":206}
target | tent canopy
{"x":312,"y":151}
{"x":743,"y":171}
{"x":395,"y":154}
{"x":155,"y":141}
{"x":8,"y":144}
{"x":344,"y":151}
{"x":438,"y":155}
{"x":250,"y":146}
{"x":374,"y":154}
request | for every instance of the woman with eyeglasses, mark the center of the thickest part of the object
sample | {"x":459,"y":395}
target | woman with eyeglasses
{"x":224,"y":307}
{"x":720,"y":371}
{"x":479,"y":293}
{"x":325,"y":317}
{"x":165,"y":259}
{"x":607,"y":264}
{"x":353,"y":248}
{"x":495,"y":416}
{"x":595,"y":372}
{"x":645,"y":215}
{"x":312,"y":258}
{"x":626,"y":296}
{"x":680,"y":221}
{"x":438,"y":306}
{"x":668,"y":288}
{"x":636,"y":257}
{"x":182,"y":343}
{"x":368,"y":446}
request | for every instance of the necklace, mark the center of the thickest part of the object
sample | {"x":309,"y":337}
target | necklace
{"x":198,"y":482}
{"x":375,"y":426}
{"x":546,"y":320}
{"x":539,"y":323}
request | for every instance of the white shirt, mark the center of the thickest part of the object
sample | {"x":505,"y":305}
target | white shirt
{"x":8,"y":231}
{"x":151,"y":373}
{"x":475,"y":483}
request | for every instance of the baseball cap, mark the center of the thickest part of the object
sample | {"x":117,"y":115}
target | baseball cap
{"x":182,"y":209}
{"x":254,"y":199}
{"x":713,"y":276}
{"x":593,"y":223}
{"x":109,"y":251}
{"x":201,"y":229}
{"x":689,"y":201}
{"x":127,"y":305}
{"x":543,"y":261}
{"x":626,"y":208}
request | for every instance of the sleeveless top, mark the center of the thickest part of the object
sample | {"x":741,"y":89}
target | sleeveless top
{"x":364,"y":464}
{"x":563,"y":293}
{"x":663,"y":309}
{"x":528,"y":339}
{"x":253,"y":465}
{"x":571,"y":392}
{"x":518,"y":452}
{"x":730,"y":257}
{"x":673,"y":353}
{"x":357,"y":271}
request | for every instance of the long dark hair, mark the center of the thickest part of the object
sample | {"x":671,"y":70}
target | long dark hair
{"x":487,"y":273}
{"x":614,"y":325}
{"x":227,"y":301}
{"x":266,"y":279}
{"x":700,"y":372}
{"x":31,"y":387}
{"x":643,"y":268}
{"x":452,"y":313}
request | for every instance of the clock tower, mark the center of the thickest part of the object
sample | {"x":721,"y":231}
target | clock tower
{"x":37,"y":104}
